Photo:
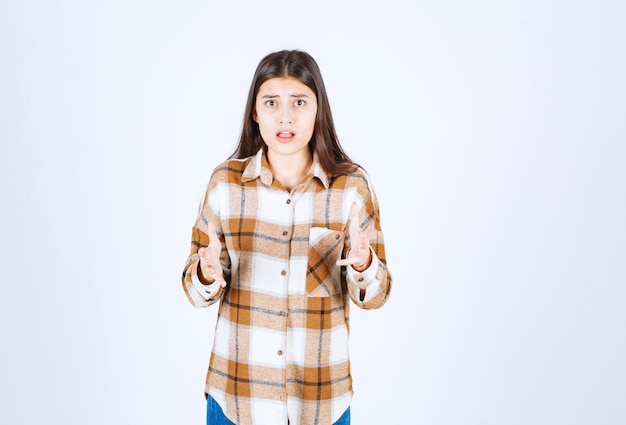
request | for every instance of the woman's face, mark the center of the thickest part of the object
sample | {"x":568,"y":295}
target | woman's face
{"x":285,"y":110}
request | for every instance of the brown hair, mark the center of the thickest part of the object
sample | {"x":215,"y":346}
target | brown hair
{"x":324,"y":142}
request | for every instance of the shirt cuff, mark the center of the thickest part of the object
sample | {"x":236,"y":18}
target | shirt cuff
{"x":206,"y":291}
{"x":366,"y":277}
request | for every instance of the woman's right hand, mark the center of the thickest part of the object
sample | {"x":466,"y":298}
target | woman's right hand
{"x":210,"y":269}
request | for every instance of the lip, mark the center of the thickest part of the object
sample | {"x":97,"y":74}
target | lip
{"x":285,"y":136}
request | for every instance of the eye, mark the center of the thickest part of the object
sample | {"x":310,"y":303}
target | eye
{"x":299,"y":102}
{"x":270,"y":103}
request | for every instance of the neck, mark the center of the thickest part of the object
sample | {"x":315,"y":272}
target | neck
{"x":290,"y":169}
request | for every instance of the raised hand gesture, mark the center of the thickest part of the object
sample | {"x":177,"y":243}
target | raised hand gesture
{"x":210,"y":267}
{"x":359,"y":255}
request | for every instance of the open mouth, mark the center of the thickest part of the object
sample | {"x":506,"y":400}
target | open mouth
{"x":285,"y":136}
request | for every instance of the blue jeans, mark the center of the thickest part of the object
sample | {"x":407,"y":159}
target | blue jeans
{"x":215,"y":415}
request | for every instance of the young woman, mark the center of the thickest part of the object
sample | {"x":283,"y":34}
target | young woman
{"x":287,"y":233}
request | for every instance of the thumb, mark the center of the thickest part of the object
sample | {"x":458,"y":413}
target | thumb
{"x":213,"y":237}
{"x":212,"y":230}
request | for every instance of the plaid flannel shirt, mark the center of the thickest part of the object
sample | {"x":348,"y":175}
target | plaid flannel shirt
{"x":280,"y":352}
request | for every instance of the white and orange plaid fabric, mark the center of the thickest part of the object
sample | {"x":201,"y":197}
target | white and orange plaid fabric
{"x":281,"y":341}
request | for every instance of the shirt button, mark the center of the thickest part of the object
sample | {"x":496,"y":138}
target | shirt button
{"x":283,"y":272}
{"x":288,"y":201}
{"x":279,"y":352}
{"x":337,"y":236}
{"x":360,"y":279}
{"x":282,"y":313}
{"x":285,"y":233}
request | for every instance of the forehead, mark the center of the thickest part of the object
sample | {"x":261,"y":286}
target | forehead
{"x":285,"y":86}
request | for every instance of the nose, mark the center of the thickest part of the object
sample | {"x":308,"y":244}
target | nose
{"x":285,"y":117}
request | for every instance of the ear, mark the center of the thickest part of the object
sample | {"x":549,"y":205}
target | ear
{"x":255,"y":117}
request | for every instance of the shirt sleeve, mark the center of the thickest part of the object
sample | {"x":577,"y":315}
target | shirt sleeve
{"x":370,"y":288}
{"x":198,"y":294}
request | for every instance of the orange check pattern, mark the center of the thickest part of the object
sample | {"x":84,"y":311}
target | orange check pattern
{"x":280,"y":353}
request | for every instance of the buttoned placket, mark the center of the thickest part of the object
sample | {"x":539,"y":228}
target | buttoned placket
{"x":286,"y":235}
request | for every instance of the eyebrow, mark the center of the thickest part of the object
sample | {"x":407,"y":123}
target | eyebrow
{"x":273,"y":96}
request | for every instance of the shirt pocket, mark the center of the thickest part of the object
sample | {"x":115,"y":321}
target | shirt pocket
{"x":323,"y":276}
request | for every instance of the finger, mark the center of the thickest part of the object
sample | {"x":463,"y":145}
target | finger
{"x":357,"y":255}
{"x":354,"y":218}
{"x":221,"y":280}
{"x":211,"y":272}
{"x":366,"y":235}
{"x":348,"y":261}
{"x":206,"y":260}
{"x":353,"y":261}
{"x":215,"y":274}
{"x":208,"y":268}
{"x":212,"y":230}
{"x":354,"y":211}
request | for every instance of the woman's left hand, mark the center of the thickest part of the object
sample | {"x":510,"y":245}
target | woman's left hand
{"x":359,"y":254}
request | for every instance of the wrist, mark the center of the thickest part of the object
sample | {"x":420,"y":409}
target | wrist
{"x":206,"y":281}
{"x":366,"y":264}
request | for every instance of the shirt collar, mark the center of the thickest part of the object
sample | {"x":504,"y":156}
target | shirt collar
{"x":258,"y":167}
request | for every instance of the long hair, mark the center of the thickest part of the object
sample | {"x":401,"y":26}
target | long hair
{"x":324,"y":141}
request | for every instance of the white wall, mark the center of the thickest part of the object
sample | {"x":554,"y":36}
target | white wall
{"x":494,"y":132}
